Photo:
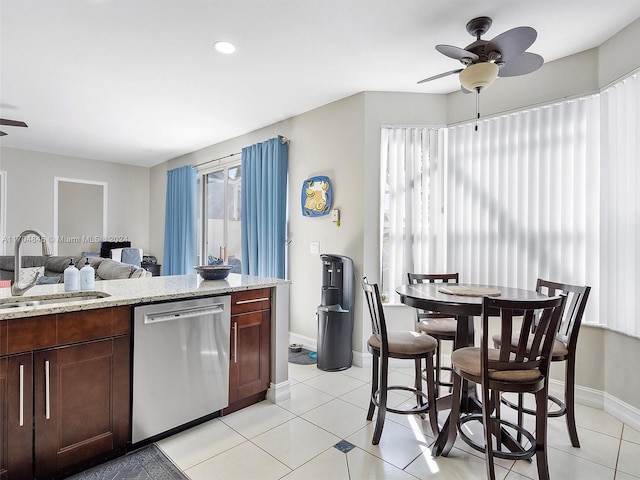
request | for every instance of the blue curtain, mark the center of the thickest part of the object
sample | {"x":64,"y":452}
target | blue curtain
{"x":264,"y":208}
{"x":180,"y":221}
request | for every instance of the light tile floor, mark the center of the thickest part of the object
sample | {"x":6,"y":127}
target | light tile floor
{"x":296,"y":440}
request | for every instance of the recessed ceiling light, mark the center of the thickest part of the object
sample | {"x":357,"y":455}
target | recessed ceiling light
{"x":225,"y":47}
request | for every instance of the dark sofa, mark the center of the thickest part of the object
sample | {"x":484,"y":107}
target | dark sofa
{"x":105,"y":268}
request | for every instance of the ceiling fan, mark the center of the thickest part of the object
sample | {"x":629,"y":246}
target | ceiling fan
{"x":10,"y":123}
{"x":484,"y":60}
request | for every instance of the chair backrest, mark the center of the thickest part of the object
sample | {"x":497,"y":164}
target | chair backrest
{"x":431,"y":278}
{"x":574,"y":309}
{"x":378,"y":324}
{"x":533,"y":350}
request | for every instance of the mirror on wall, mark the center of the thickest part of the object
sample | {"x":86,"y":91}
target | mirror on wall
{"x":80,"y":215}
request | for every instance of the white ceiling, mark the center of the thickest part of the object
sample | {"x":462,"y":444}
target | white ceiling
{"x":138,"y":82}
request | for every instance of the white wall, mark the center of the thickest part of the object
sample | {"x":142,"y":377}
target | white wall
{"x":30,"y":194}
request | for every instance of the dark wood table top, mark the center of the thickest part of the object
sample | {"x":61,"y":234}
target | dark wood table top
{"x":427,"y":296}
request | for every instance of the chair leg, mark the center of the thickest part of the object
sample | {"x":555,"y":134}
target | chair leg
{"x":541,"y":434}
{"x":520,"y":415}
{"x":454,"y":414}
{"x":374,"y":386}
{"x":488,"y":432}
{"x":417,"y":382}
{"x":382,"y":399}
{"x":437,"y":355}
{"x":432,"y":388}
{"x":569,"y":401}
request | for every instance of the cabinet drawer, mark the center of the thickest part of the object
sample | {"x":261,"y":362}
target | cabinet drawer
{"x":87,"y":325}
{"x":250,"y":301}
{"x":32,"y":333}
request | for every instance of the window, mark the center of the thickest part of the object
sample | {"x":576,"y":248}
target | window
{"x":411,"y":186}
{"x":514,"y":201}
{"x":219,"y":216}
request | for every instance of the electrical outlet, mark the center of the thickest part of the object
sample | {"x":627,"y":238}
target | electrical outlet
{"x":314,"y":248}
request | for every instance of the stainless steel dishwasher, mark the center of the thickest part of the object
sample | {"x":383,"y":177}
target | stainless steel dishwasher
{"x":180,"y":363}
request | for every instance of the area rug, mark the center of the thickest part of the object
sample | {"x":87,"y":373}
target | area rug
{"x":302,"y":357}
{"x":146,"y":463}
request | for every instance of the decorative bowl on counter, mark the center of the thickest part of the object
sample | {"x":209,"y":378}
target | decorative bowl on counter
{"x":213,"y":272}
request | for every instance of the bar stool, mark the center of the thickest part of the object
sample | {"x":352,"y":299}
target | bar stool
{"x":524,"y":369}
{"x":564,"y":350}
{"x":410,"y":345}
{"x":439,"y":326}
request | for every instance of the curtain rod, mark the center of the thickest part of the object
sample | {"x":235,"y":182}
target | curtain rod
{"x":283,"y":140}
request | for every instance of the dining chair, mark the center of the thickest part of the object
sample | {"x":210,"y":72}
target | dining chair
{"x":384,"y":344}
{"x":523,"y":369}
{"x":564,"y":350}
{"x":440,"y":326}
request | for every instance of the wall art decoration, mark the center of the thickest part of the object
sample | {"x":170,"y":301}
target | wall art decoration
{"x":316,"y":196}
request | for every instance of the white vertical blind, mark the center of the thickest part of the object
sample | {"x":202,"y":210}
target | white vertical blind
{"x":408,"y":204}
{"x":620,"y":206}
{"x":522,"y":197}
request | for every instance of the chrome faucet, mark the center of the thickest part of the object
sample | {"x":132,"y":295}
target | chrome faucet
{"x":18,"y":288}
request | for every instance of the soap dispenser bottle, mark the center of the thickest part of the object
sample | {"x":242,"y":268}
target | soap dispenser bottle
{"x":87,"y":277}
{"x":71,"y":278}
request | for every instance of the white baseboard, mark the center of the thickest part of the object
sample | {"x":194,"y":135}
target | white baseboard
{"x":624,"y":412}
{"x":309,"y":343}
{"x":279,"y":392}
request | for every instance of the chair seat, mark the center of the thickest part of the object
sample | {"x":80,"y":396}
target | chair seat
{"x":439,"y":326}
{"x":560,"y":350}
{"x":406,"y":343}
{"x":468,"y":361}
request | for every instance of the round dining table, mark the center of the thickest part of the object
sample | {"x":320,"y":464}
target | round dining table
{"x":433,"y":297}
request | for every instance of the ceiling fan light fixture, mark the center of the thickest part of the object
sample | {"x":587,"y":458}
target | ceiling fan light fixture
{"x":479,"y":76}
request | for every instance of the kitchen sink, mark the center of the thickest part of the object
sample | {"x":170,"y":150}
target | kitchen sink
{"x":34,"y":301}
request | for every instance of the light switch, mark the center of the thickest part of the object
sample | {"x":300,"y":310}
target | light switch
{"x":314,"y":247}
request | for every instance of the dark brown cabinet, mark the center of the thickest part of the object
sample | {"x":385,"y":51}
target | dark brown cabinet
{"x":250,"y":353}
{"x":16,"y":405}
{"x":64,"y":402}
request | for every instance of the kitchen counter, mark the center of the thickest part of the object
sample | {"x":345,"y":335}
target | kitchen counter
{"x":132,"y":291}
{"x":135,"y":291}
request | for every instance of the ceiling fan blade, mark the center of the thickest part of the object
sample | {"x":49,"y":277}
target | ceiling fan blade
{"x":456,"y":52}
{"x":12,"y":123}
{"x":512,"y":42}
{"x":522,"y":64}
{"x":435,"y":77}
{"x":2,"y":134}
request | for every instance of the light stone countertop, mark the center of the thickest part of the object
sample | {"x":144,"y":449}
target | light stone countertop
{"x":132,"y":291}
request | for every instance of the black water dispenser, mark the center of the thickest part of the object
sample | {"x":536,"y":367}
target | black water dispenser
{"x":335,"y":313}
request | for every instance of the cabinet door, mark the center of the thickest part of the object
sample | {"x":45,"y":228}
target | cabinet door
{"x":249,"y":366}
{"x":81,"y":403}
{"x":16,"y":405}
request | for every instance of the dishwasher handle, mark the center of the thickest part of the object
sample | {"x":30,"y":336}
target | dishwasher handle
{"x":151,"y":318}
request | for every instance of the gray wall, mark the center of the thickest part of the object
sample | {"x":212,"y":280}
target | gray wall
{"x":340,"y":140}
{"x":30,"y":192}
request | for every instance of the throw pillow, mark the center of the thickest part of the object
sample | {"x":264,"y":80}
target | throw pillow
{"x":29,"y":274}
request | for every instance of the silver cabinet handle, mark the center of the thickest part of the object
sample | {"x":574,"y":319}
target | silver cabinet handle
{"x":21,"y":395}
{"x":253,"y":300}
{"x":47,"y":396}
{"x":235,"y":342}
